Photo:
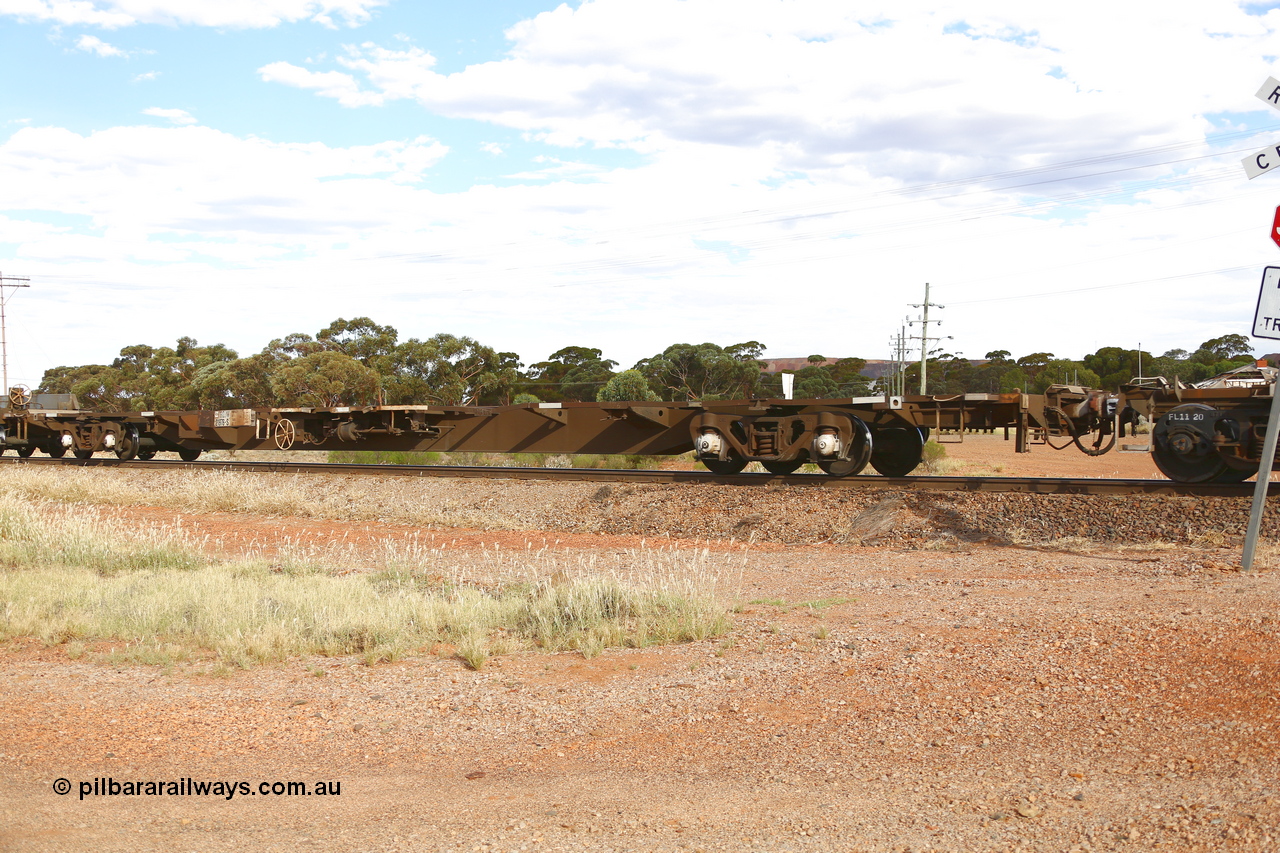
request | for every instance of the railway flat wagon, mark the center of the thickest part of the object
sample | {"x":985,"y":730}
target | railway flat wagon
{"x":842,"y":437}
{"x":1212,"y":431}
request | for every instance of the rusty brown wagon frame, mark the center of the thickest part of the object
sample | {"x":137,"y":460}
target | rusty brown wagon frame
{"x":841,"y":436}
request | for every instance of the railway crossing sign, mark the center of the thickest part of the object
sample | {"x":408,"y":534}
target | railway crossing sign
{"x":1261,"y":162}
{"x":1270,"y":92}
{"x":1266,"y":319}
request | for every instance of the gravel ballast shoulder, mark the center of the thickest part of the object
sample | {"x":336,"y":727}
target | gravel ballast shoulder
{"x":906,"y":671}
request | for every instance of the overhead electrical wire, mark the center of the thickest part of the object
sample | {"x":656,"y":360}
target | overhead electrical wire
{"x":878,"y":199}
{"x":1134,"y":283}
{"x":1005,"y":199}
{"x":648,"y":263}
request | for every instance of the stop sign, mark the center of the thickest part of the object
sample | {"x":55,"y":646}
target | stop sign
{"x":1275,"y":228}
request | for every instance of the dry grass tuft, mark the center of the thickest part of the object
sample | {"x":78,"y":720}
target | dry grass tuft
{"x":233,"y":491}
{"x":874,"y":521}
{"x":68,"y":577}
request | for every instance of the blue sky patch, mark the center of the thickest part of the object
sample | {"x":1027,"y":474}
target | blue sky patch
{"x":735,"y":254}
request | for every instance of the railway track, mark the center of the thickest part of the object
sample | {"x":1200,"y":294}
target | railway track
{"x":1026,"y":485}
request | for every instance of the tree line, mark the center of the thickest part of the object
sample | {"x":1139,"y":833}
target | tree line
{"x":1108,"y":368}
{"x":358,"y":362}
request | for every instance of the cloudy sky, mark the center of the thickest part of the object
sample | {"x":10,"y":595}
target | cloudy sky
{"x":626,"y":174}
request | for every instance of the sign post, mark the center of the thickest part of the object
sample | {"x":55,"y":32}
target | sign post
{"x":1266,"y":324}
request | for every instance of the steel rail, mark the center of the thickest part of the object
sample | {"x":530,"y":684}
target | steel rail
{"x":1025,"y":485}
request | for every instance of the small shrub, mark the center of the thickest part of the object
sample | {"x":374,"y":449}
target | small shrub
{"x":474,"y":652}
{"x":933,"y":456}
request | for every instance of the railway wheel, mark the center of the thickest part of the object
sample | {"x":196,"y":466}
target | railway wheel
{"x":1234,"y":475}
{"x":145,"y":453}
{"x":56,"y":451}
{"x":81,"y":454}
{"x":285,"y":434}
{"x":1183,"y":450}
{"x":858,"y":457}
{"x":24,"y":452}
{"x":127,"y":445}
{"x":781,"y":466}
{"x":897,"y":451}
{"x":733,"y":465}
{"x":188,"y":454}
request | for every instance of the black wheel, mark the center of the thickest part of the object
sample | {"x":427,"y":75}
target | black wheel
{"x":145,"y":453}
{"x":733,"y":465}
{"x":1234,"y":475}
{"x":56,"y":451}
{"x":24,"y":452}
{"x":81,"y":454}
{"x":1183,"y":452}
{"x":127,"y":443}
{"x":189,"y":454}
{"x":897,"y":451}
{"x":859,"y":455}
{"x":779,"y":466}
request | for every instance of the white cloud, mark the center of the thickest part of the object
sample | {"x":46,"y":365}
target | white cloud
{"x":888,"y":90}
{"x":179,"y":117}
{"x":330,"y":84}
{"x":146,"y":77}
{"x":241,"y":14}
{"x":169,"y":213}
{"x":779,"y":185}
{"x":214,"y":182}
{"x":394,"y":74}
{"x":92,"y":44}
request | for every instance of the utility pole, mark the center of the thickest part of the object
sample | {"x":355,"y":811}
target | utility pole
{"x":4,"y":341}
{"x":896,"y":389}
{"x":887,"y":379}
{"x":902,"y":358}
{"x":893,"y":375}
{"x":923,"y":337}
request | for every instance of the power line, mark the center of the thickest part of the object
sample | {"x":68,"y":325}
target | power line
{"x":4,"y":300}
{"x":1221,"y":271}
{"x":789,"y":214}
